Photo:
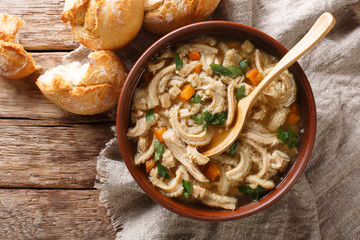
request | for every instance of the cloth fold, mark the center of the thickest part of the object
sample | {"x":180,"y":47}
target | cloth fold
{"x":324,"y":202}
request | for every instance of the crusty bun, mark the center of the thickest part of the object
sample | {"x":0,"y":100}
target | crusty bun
{"x":106,"y":24}
{"x":163,"y":16}
{"x":15,"y":62}
{"x":85,"y":89}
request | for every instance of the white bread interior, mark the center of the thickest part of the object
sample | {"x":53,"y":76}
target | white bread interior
{"x":86,"y":89}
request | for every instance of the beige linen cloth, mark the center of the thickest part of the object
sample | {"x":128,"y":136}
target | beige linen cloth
{"x":325,"y":201}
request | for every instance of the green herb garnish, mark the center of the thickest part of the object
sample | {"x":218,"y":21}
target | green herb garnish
{"x":162,"y":170}
{"x":188,"y":188}
{"x":240,"y":93}
{"x":244,"y":64}
{"x":288,"y":137}
{"x":159,"y":150}
{"x":233,"y":148}
{"x":149,"y":116}
{"x":232,"y":71}
{"x":255,"y":193}
{"x":219,"y":118}
{"x":209,"y":119}
{"x":236,"y":71}
{"x":195,"y":99}
{"x":178,"y":62}
{"x":198,"y":118}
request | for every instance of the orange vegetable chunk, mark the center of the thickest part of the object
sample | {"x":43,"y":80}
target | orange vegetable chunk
{"x":194,"y":55}
{"x":293,"y":118}
{"x":149,"y":164}
{"x":186,"y":93}
{"x":254,"y":76}
{"x":213,"y":171}
{"x":159,"y":132}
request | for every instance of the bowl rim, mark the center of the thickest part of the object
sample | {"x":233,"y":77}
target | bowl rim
{"x":214,"y":215}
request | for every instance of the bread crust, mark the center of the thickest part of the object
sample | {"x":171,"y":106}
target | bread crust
{"x":104,"y":24}
{"x":15,"y":62}
{"x":97,"y":91}
{"x":163,"y":16}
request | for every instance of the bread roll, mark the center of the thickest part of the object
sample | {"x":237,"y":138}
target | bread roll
{"x":85,"y":89}
{"x":163,"y":16}
{"x":15,"y":62}
{"x":106,"y":24}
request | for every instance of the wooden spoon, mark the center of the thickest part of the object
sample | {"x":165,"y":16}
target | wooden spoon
{"x":321,"y":27}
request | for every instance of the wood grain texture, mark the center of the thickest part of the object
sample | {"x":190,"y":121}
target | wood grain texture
{"x":39,"y":154}
{"x":21,"y":98}
{"x":43,"y":29}
{"x":53,"y":214}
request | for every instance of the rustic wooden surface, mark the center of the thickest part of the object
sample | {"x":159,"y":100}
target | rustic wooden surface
{"x":53,"y":214}
{"x":47,"y":155}
{"x":43,"y":29}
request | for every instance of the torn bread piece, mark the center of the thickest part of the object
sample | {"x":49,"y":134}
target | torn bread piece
{"x":163,"y":16}
{"x":86,"y":89}
{"x":106,"y":24}
{"x":15,"y":62}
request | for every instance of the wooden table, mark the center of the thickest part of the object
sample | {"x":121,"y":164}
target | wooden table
{"x":47,"y":155}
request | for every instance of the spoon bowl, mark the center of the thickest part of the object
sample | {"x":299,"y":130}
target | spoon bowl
{"x":321,"y":27}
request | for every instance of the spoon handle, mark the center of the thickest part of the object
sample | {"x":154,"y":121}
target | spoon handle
{"x":322,"y":26}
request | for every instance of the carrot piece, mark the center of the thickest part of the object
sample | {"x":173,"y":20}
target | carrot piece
{"x":194,"y":55}
{"x":186,"y":93}
{"x":158,"y":133}
{"x":254,"y":76}
{"x":198,"y":68}
{"x":293,"y":118}
{"x":149,"y":164}
{"x":148,"y":77}
{"x":294,"y":107}
{"x":213,"y":171}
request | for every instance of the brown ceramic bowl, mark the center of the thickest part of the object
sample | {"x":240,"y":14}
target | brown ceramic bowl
{"x":263,"y":41}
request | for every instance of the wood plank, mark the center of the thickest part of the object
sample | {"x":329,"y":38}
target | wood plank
{"x":39,"y":154}
{"x":53,"y":214}
{"x":43,"y":29}
{"x":21,"y":98}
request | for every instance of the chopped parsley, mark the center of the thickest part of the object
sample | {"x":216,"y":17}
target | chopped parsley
{"x":209,"y":119}
{"x":188,"y":188}
{"x":178,"y":62}
{"x":195,"y":99}
{"x":231,"y":71}
{"x":244,"y":64}
{"x":233,"y":148}
{"x":218,"y":118}
{"x":198,"y":118}
{"x":162,"y":170}
{"x":149,"y":116}
{"x":240,"y":93}
{"x":159,"y":151}
{"x":289,"y":137}
{"x":255,"y":193}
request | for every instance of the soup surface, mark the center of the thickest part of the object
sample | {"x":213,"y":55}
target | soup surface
{"x":188,"y":96}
